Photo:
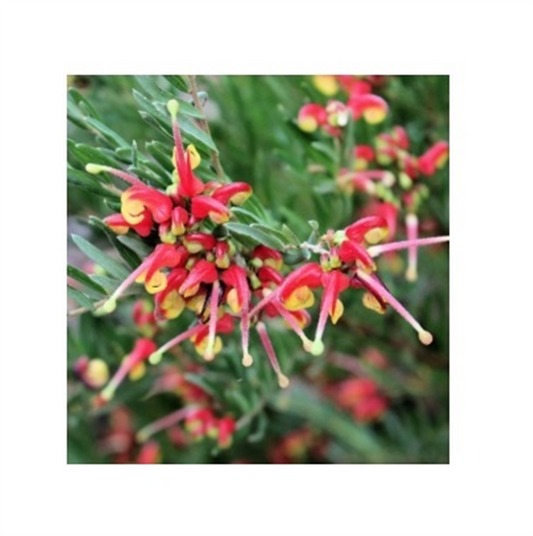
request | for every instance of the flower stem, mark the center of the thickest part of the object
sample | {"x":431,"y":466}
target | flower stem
{"x":205,"y":127}
{"x":162,"y":424}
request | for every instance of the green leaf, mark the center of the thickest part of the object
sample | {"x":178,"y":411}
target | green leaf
{"x":84,"y":279}
{"x":274,"y":233}
{"x":236,"y":397}
{"x":89,"y":155}
{"x":78,"y":296}
{"x":75,"y":96}
{"x":135,"y":244}
{"x":108,"y":283}
{"x":162,"y":96}
{"x":261,"y":423}
{"x":126,"y":253}
{"x":178,"y":82}
{"x":325,"y":187}
{"x":189,"y":109}
{"x":290,"y":235}
{"x":196,"y":135}
{"x":245,"y":216}
{"x":162,"y":153}
{"x":253,"y":205}
{"x":310,"y":405}
{"x":150,"y":87}
{"x":110,"y":135}
{"x":88,"y":182}
{"x":102,"y":259}
{"x":149,"y":175}
{"x":296,"y":256}
{"x":325,"y":149}
{"x":154,"y":123}
{"x":254,"y":235}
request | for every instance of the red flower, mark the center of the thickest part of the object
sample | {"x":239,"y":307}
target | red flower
{"x":364,"y":154}
{"x":434,"y":158}
{"x":311,"y":117}
{"x":132,"y":363}
{"x":138,"y":198}
{"x":92,"y":372}
{"x":361,"y":397}
{"x":184,"y":161}
{"x":118,"y":224}
{"x":372,"y":108}
{"x":150,"y":453}
{"x":225,"y":428}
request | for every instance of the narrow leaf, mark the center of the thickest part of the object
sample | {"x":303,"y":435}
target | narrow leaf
{"x":254,"y":235}
{"x":99,"y":257}
{"x":79,"y":297}
{"x":84,"y":279}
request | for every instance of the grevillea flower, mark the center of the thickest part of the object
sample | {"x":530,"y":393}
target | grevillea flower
{"x":184,"y":161}
{"x":364,"y":155}
{"x":204,"y":206}
{"x":326,"y":84}
{"x":372,"y":108}
{"x":354,"y":85}
{"x":169,"y":303}
{"x":311,"y":117}
{"x":361,"y":397}
{"x":150,"y":453}
{"x":238,"y":298}
{"x":225,"y":429}
{"x":364,"y":181}
{"x":92,"y":372}
{"x":348,"y":263}
{"x":149,"y":272}
{"x":119,"y":438}
{"x":434,"y":158}
{"x":338,"y":113}
{"x":137,"y":199}
{"x":144,"y":317}
{"x":236,"y":193}
{"x":132,"y":364}
{"x":387,"y":211}
{"x":295,"y":447}
{"x":118,"y":224}
{"x":196,"y":269}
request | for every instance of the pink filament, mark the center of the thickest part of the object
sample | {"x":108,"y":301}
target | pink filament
{"x":374,"y":285}
{"x":265,"y":339}
{"x":374,"y":251}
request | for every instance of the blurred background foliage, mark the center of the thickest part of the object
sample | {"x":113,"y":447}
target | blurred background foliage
{"x":252,"y":122}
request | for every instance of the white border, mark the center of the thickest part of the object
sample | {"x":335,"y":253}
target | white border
{"x":483,"y":46}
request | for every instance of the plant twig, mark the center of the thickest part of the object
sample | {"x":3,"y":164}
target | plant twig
{"x":81,"y":310}
{"x":205,"y":126}
{"x":313,"y":248}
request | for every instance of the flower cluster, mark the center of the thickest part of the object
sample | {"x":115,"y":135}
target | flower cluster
{"x":331,"y":118}
{"x":346,"y":262}
{"x":195,"y":267}
{"x":391,"y":175}
{"x":361,"y":397}
{"x":299,"y":446}
{"x":384,"y":168}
